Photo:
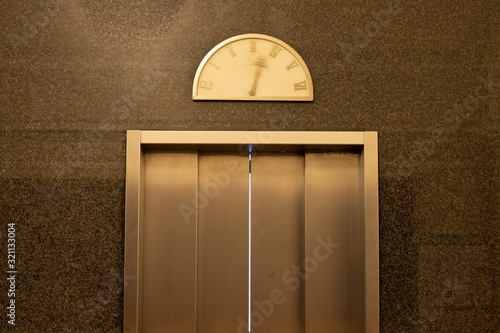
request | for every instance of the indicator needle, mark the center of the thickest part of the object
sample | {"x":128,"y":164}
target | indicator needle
{"x":260,"y":63}
{"x":254,"y":86}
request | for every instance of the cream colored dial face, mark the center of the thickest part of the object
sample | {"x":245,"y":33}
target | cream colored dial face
{"x":253,"y":67}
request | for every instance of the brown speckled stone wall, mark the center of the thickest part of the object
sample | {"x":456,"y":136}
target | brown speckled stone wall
{"x":424,"y":74}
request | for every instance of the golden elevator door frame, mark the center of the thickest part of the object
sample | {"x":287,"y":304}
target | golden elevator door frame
{"x":314,"y":230}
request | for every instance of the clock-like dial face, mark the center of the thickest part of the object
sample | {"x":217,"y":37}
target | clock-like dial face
{"x":253,"y":67}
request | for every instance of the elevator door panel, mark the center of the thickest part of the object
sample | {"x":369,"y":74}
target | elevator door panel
{"x":277,"y":242}
{"x":332,"y":246}
{"x":169,"y":243}
{"x":195,"y":242}
{"x":222,"y":287}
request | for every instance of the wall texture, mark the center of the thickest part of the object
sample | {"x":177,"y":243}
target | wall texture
{"x":76,"y":74}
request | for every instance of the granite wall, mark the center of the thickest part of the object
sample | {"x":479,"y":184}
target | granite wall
{"x":424,"y":74}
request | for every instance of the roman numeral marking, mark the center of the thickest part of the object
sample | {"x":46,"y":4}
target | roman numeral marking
{"x":211,"y":63}
{"x":300,"y":85}
{"x":230,"y":48}
{"x":206,"y":84}
{"x":274,"y":52}
{"x":292,"y":65}
{"x":253,"y":46}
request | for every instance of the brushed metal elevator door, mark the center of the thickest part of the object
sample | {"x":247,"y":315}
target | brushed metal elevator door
{"x":169,"y":243}
{"x":333,"y":244}
{"x":307,"y":243}
{"x":277,"y":242}
{"x":306,"y":266}
{"x":222,"y":270}
{"x":195,"y":242}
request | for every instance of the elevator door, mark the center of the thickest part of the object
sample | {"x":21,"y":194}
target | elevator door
{"x":271,"y":242}
{"x":195,"y":255}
